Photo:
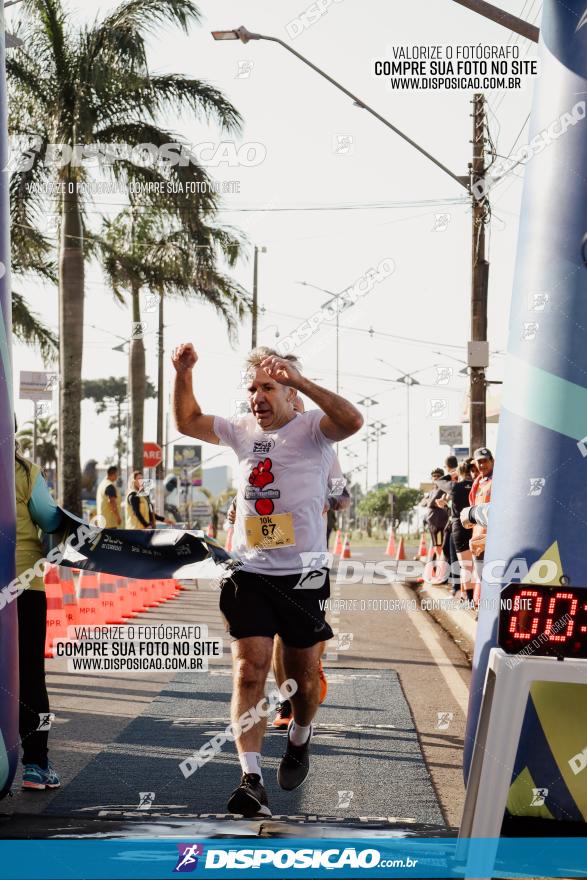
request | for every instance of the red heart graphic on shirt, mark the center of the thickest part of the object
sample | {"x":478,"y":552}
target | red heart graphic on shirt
{"x":261,"y":475}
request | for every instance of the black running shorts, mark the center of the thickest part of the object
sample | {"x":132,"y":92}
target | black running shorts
{"x":267,"y":605}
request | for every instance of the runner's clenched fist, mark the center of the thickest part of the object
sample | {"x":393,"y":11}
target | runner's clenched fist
{"x":184,"y":357}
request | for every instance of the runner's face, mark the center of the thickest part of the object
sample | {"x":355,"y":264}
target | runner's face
{"x":270,"y":402}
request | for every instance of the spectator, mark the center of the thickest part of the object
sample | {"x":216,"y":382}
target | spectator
{"x":108,"y":500}
{"x":480,"y":494}
{"x":35,"y":509}
{"x":437,"y":515}
{"x":459,"y":499}
{"x":139,"y":507}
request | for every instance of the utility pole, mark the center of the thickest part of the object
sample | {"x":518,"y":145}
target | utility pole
{"x":255,"y":311}
{"x":160,"y":471}
{"x":478,"y":353}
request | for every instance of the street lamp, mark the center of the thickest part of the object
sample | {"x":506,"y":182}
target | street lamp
{"x":479,"y":213}
{"x":244,"y":35}
{"x":367,"y":402}
{"x":377,"y":433}
{"x":334,"y":298}
{"x":408,"y":380}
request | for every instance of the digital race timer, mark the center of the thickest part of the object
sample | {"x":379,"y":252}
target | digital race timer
{"x":543,"y":621}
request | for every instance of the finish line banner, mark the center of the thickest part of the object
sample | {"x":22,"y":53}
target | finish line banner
{"x":271,"y":858}
{"x":142,"y":553}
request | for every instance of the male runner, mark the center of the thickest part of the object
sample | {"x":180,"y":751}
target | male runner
{"x":284,"y":468}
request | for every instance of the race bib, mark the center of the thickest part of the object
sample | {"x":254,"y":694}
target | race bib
{"x":270,"y":532}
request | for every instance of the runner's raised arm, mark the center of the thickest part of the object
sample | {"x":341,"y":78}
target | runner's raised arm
{"x":188,"y":416}
{"x":341,"y":418}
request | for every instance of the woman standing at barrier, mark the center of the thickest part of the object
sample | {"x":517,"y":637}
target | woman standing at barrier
{"x":35,"y":509}
{"x":139,"y":507}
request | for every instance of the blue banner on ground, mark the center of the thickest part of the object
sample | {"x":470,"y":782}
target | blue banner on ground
{"x":312,"y":858}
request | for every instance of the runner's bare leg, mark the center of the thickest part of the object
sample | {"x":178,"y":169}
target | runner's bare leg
{"x":301,"y":664}
{"x":251,"y":659}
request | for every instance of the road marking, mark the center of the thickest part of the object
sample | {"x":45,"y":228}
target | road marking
{"x":430,"y":637}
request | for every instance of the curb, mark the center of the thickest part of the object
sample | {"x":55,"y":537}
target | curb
{"x":458,"y":622}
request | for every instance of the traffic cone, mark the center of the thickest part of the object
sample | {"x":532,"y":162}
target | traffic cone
{"x":229,"y":537}
{"x":56,"y":622}
{"x":146,"y":593}
{"x":338,"y":543}
{"x":69,"y":596}
{"x":89,"y":604}
{"x":110,"y":598}
{"x":124,"y":597}
{"x":210,"y":531}
{"x":346,"y":551}
{"x":401,"y":551}
{"x":390,"y":549}
{"x":422,"y":550}
{"x":136,"y":598}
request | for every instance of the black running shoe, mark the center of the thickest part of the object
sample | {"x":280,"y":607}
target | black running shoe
{"x":250,"y":798}
{"x":283,"y":716}
{"x":295,"y":764}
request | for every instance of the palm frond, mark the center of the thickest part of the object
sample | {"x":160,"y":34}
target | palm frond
{"x":28,"y":328}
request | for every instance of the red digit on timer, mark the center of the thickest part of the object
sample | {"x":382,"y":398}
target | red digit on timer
{"x":561,"y":637}
{"x":526,"y":594}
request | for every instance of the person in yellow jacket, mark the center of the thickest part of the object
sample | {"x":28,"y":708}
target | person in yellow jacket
{"x":139,"y":507}
{"x":35,"y":509}
{"x":108,"y":500}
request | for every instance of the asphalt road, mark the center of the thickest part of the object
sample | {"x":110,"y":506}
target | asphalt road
{"x":388,"y":744}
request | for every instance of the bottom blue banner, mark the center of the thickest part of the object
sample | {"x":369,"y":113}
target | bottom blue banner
{"x":273,"y":858}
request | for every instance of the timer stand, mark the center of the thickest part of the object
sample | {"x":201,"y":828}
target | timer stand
{"x":505,"y":696}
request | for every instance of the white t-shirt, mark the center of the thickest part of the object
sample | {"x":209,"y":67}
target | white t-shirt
{"x":298,"y":458}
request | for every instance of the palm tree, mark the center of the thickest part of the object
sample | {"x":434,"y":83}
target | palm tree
{"x":218,"y":504}
{"x":46,"y":440}
{"x":151,"y":250}
{"x":92,"y":86}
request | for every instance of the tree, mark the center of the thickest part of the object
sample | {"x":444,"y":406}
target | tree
{"x":217,"y":504}
{"x":85,"y":88}
{"x":377,"y":502}
{"x":152,"y":250}
{"x":46,"y":440}
{"x":113,"y":393}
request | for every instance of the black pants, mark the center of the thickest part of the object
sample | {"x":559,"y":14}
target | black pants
{"x":34,"y":701}
{"x":450,"y":554}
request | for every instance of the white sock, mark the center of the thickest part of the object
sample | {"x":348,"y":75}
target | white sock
{"x":251,"y":763}
{"x":298,"y":735}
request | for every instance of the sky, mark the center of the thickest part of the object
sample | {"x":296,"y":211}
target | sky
{"x":334,"y":194}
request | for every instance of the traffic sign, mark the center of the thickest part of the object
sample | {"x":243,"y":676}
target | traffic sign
{"x":152,"y":455}
{"x":450,"y":435}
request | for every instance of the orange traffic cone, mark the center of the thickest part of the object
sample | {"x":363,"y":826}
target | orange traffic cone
{"x":346,"y":551}
{"x":229,"y":537}
{"x":124,"y":597}
{"x":89,"y":605}
{"x":422,"y":550}
{"x":390,"y":549}
{"x":401,"y":551}
{"x":69,"y":596}
{"x":56,"y":622}
{"x":136,"y":599}
{"x":109,"y":598}
{"x":146,"y":594}
{"x":338,"y":543}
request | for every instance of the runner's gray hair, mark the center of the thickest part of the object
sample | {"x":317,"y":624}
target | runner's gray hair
{"x":258,"y":355}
